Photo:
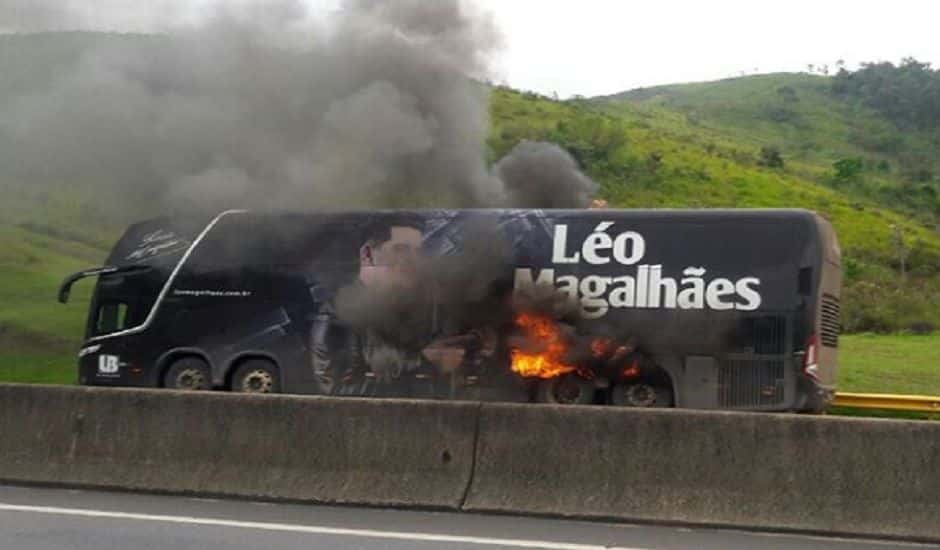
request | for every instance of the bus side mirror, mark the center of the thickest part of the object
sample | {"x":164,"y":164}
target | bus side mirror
{"x":66,"y":287}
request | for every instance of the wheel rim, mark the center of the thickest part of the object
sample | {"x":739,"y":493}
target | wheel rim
{"x":258,"y":381}
{"x":640,"y":395}
{"x":191,"y":379}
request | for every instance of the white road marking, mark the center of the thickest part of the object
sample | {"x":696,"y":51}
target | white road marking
{"x":830,"y":539}
{"x":310,"y":529}
{"x":872,"y":542}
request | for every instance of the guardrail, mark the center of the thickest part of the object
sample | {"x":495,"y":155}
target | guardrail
{"x":910,"y":403}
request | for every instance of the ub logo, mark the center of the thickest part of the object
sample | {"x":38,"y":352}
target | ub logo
{"x":108,"y":364}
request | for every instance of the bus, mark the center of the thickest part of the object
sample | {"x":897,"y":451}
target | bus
{"x":705,"y":309}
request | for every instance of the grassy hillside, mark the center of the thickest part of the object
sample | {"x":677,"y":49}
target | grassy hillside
{"x":882,"y":177}
{"x":813,"y":128}
{"x":39,"y":336}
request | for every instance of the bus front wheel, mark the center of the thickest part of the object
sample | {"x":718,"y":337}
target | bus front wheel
{"x":188,"y":373}
{"x":256,"y":376}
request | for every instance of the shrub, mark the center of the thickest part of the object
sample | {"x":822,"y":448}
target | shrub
{"x":770,"y":157}
{"x":848,"y":169}
{"x":921,"y":328}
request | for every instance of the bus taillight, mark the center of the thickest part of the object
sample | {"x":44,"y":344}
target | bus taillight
{"x":810,"y":366}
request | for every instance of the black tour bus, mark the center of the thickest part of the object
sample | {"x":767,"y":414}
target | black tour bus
{"x":731,"y":309}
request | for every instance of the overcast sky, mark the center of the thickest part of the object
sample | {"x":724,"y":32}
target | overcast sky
{"x":594,"y":47}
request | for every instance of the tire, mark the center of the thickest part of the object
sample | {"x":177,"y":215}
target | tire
{"x":256,"y":376}
{"x":641,"y":394}
{"x":188,"y":374}
{"x":569,"y":389}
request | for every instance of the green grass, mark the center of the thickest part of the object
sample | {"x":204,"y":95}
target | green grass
{"x":811,"y":125}
{"x":32,"y":265}
{"x":892,"y":364}
{"x":908,"y":365}
{"x":39,"y":336}
{"x":38,"y":367}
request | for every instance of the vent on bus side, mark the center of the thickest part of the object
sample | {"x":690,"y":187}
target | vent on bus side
{"x":751,"y":383}
{"x":761,"y":335}
{"x":829,"y":321}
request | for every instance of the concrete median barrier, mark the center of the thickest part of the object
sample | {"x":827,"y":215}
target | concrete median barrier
{"x":835,"y":475}
{"x":305,"y":448}
{"x":788,"y":472}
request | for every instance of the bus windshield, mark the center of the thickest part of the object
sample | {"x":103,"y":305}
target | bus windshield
{"x":66,"y":288}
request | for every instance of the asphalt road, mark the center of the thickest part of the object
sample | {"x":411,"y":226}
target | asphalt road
{"x":53,"y":519}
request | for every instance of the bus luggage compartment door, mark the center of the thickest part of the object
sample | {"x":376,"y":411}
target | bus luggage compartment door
{"x":756,"y":382}
{"x":700,"y":387}
{"x":738,"y":381}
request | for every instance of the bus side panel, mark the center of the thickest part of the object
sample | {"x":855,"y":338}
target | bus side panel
{"x":720,"y":294}
{"x":828,"y":321}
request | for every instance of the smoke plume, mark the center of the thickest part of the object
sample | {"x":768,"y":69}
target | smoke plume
{"x":262,"y":105}
{"x":543,"y":175}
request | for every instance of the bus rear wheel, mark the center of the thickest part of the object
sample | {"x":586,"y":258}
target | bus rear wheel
{"x":641,"y":394}
{"x":256,"y":376}
{"x":569,"y":389}
{"x":189,"y":374}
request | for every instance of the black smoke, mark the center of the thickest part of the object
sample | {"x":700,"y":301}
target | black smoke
{"x":543,"y":175}
{"x":263,"y":105}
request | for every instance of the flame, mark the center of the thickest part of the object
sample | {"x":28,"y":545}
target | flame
{"x":633,"y":370}
{"x":544,"y":334}
{"x":601,"y":347}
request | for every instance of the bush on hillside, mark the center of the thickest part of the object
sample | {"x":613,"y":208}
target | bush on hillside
{"x":888,"y":307}
{"x":848,"y":169}
{"x":591,"y":140}
{"x":781,"y":115}
{"x":917,"y":168}
{"x":922,"y":328}
{"x":770,"y":157}
{"x":788,"y":94}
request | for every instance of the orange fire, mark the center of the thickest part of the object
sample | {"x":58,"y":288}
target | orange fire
{"x":601,"y":347}
{"x":543,"y":334}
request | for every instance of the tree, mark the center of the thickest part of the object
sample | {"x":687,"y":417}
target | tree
{"x":908,"y":94}
{"x":848,"y":169}
{"x":788,"y":94}
{"x":592,"y":140}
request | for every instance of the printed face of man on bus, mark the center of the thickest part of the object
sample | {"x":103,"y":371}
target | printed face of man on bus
{"x":391,"y":256}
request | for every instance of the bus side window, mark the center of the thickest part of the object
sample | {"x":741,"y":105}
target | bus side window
{"x":112,"y":317}
{"x":806,"y":281}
